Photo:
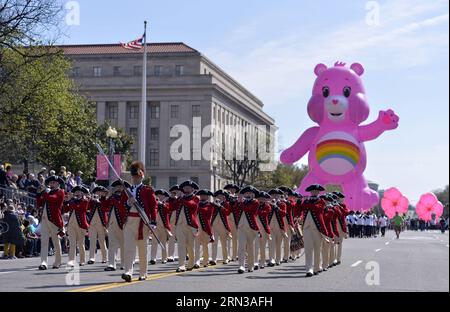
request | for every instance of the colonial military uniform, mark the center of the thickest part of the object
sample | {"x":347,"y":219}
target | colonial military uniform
{"x":116,"y":221}
{"x":172,"y":216}
{"x":51,"y":222}
{"x":186,"y":227}
{"x":98,"y":222}
{"x":314,"y":230}
{"x":289,"y":221}
{"x":247,"y":229}
{"x":221,"y":227}
{"x":136,"y":233}
{"x":233,"y":202}
{"x":264,"y":230}
{"x":342,"y":226}
{"x":205,"y":235}
{"x":276,"y":219}
{"x":328,"y":245}
{"x":163,"y":229}
{"x":78,"y":225}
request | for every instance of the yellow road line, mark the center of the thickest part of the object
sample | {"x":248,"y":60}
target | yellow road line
{"x":107,"y":286}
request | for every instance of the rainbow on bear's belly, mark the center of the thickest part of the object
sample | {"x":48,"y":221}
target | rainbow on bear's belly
{"x":337,"y":156}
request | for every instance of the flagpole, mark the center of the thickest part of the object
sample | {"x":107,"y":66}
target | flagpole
{"x":143,"y":109}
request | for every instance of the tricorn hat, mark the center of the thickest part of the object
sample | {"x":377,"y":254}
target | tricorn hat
{"x":315,"y":187}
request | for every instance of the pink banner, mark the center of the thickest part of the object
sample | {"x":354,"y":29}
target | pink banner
{"x":103,"y":168}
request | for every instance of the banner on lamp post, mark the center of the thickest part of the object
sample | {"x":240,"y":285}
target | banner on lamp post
{"x":103,"y":168}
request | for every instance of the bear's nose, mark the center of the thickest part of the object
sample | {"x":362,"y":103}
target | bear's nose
{"x":335,"y":102}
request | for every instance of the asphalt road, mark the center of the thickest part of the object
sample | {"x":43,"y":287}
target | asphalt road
{"x":419,"y":261}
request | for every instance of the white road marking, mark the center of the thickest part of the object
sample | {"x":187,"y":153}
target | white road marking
{"x":378,"y":250}
{"x":387,"y":243}
{"x":354,"y":265}
{"x":7,"y":272}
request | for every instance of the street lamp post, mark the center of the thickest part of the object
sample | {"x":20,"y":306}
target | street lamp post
{"x":214,"y":167}
{"x":111,"y":133}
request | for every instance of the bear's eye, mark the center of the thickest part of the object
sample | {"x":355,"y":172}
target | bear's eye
{"x":326,"y":91}
{"x":347,"y":91}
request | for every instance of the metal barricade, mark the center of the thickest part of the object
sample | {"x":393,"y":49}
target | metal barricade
{"x":19,"y":195}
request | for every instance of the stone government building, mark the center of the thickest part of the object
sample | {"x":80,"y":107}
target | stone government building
{"x":182,"y":84}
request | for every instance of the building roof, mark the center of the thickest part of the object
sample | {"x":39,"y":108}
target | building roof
{"x":91,"y":49}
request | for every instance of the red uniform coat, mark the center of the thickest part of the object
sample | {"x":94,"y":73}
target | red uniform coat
{"x":53,"y":203}
{"x":223,"y":212}
{"x":329,"y":219}
{"x":205,"y":212}
{"x":250,"y":209}
{"x":116,"y":206}
{"x":189,"y":206}
{"x":80,"y":208}
{"x":344,"y":212}
{"x":315,"y":206}
{"x":290,"y":207}
{"x":234,"y":209}
{"x":146,"y":198}
{"x":279,"y":211}
{"x":164,"y":214}
{"x":102,"y":206}
{"x":263,"y":215}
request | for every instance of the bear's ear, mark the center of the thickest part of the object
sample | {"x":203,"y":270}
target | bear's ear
{"x":357,"y":68}
{"x":320,"y":68}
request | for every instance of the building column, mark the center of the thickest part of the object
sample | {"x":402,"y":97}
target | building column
{"x":101,"y":112}
{"x":122,"y":115}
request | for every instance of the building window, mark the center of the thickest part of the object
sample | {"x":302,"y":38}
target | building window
{"x":134,"y":133}
{"x":75,"y":72}
{"x":174,"y":110}
{"x":173,"y":163}
{"x":154,"y":134}
{"x":196,"y":112}
{"x":154,"y":110}
{"x":195,"y":179}
{"x":97,"y":71}
{"x":179,"y":70}
{"x":112,"y":113}
{"x":137,"y":70}
{"x":133,"y":111}
{"x":154,"y":182}
{"x":154,"y":157}
{"x":158,"y":70}
{"x":173,"y":181}
{"x":116,"y":70}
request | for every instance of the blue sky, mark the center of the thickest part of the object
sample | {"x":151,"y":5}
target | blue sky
{"x":271,"y":47}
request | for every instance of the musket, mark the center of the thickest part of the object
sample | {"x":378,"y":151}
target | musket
{"x":138,"y":207}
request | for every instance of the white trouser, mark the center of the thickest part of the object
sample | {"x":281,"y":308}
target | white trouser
{"x":97,"y":231}
{"x":171,"y":250}
{"x":339,"y":243}
{"x":49,"y":230}
{"x":131,"y":235}
{"x":287,"y":241}
{"x":163,"y":236}
{"x":233,"y":248}
{"x":116,"y":241}
{"x":261,"y":246}
{"x":246,"y":239}
{"x":313,"y":244}
{"x":76,"y":239}
{"x":203,"y":242}
{"x":276,"y":242}
{"x":220,"y":234}
{"x":186,"y":237}
{"x":326,"y":252}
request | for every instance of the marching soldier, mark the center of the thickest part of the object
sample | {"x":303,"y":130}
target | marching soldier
{"x":247,"y":228}
{"x":342,"y":225}
{"x":77,"y":226}
{"x":221,"y":226}
{"x":290,"y":202}
{"x":50,"y":203}
{"x":175,"y":193}
{"x":205,"y":235}
{"x":298,"y":224}
{"x":264,"y":233}
{"x":98,"y":222}
{"x":117,"y":218}
{"x":328,"y":245}
{"x":277,"y":226}
{"x":135,"y":232}
{"x":163,"y":227}
{"x":233,"y":189}
{"x":186,"y":224}
{"x":314,"y":229}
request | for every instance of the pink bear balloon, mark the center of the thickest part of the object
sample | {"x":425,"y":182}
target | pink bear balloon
{"x":336,"y":147}
{"x":393,"y":201}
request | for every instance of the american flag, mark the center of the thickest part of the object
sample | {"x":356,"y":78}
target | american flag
{"x":135,"y":44}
